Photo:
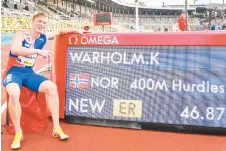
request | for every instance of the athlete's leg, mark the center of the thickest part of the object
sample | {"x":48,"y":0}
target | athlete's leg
{"x":13,"y":83}
{"x":14,"y":107}
{"x":50,"y":89}
{"x":40,"y":83}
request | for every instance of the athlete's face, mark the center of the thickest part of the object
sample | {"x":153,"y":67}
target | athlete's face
{"x":39,"y":24}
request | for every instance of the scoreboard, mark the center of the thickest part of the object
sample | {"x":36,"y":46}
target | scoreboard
{"x":173,"y":78}
{"x":104,"y":18}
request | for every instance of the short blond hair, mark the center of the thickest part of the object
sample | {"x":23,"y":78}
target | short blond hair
{"x":39,"y":14}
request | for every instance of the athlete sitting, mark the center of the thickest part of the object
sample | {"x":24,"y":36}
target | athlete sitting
{"x":26,"y":46}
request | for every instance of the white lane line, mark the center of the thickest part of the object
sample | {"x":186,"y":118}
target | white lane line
{"x":3,"y":107}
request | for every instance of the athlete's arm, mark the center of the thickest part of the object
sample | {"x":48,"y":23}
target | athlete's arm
{"x":17,"y":49}
{"x":62,"y":31}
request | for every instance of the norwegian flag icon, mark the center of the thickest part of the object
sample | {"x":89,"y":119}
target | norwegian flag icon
{"x":79,"y":80}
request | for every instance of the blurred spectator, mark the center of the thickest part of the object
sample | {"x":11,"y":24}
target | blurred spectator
{"x":212,"y":27}
{"x":165,"y":29}
{"x":182,"y":21}
{"x":219,"y":27}
{"x":224,"y":27}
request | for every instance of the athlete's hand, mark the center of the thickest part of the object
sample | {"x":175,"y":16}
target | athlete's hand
{"x":45,"y":53}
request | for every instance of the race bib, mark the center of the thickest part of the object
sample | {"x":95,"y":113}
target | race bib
{"x":27,"y":60}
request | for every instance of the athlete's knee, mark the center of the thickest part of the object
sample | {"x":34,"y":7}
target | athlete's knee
{"x":48,"y":87}
{"x":14,"y":96}
{"x":52,"y":88}
{"x":13,"y":92}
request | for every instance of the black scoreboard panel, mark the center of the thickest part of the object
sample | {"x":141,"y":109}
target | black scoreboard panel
{"x":180,"y":85}
{"x":102,"y":18}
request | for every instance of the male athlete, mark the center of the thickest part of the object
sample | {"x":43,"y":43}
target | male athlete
{"x":26,"y":46}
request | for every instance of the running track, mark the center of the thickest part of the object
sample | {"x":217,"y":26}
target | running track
{"x":93,"y":138}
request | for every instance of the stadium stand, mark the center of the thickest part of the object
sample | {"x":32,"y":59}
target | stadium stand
{"x":64,"y":14}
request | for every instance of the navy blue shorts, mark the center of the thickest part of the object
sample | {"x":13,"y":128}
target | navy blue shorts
{"x":24,"y":77}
